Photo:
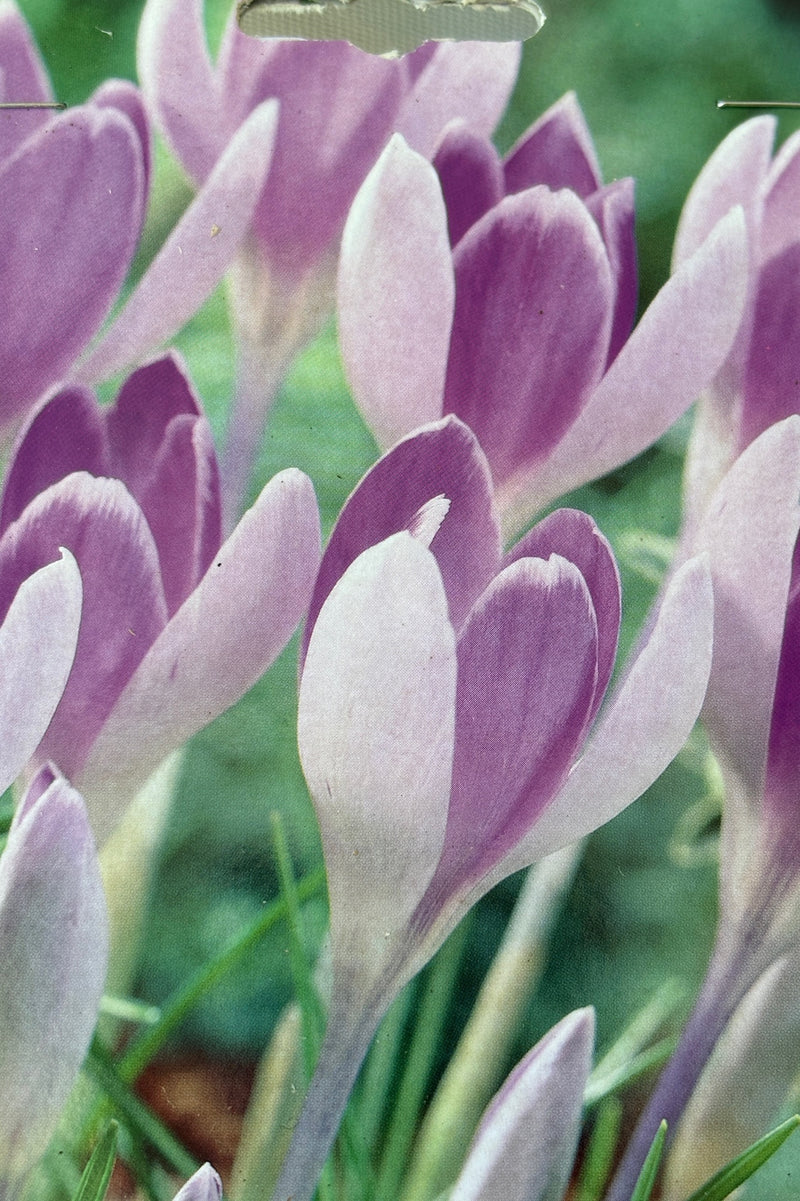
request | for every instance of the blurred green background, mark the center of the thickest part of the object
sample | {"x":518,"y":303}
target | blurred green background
{"x":648,"y":74}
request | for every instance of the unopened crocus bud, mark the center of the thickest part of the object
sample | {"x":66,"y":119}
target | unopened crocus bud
{"x":525,"y":1145}
{"x":205,"y":1185}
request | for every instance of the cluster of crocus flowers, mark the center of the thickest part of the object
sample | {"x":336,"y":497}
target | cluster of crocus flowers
{"x":336,"y":108}
{"x":163,"y":647}
{"x":505,"y":293}
{"x":53,"y":925}
{"x":467,"y":687}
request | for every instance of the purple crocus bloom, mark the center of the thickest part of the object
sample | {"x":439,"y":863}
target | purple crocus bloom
{"x":749,"y":532}
{"x":510,"y":305}
{"x":525,"y":1144}
{"x":176,"y":627}
{"x":77,"y":184}
{"x":204,"y":1185}
{"x":338,"y":106}
{"x":53,"y":927}
{"x":449,"y":721}
{"x":757,"y":384}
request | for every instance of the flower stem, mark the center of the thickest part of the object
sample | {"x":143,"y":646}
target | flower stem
{"x":731,"y":974}
{"x":351,"y":1028}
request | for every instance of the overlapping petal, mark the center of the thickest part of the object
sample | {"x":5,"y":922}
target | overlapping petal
{"x":53,"y":935}
{"x":525,"y":1145}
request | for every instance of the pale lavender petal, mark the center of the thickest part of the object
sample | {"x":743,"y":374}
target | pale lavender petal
{"x":223,"y":638}
{"x":613,"y":210}
{"x":534,"y":302}
{"x":54,"y":940}
{"x":123,"y":96}
{"x":471,"y":177}
{"x":64,"y":434}
{"x":442,"y":460}
{"x":732,"y":176}
{"x":466,"y":81}
{"x":76,"y":191}
{"x":182,"y":506}
{"x":771,"y":381}
{"x":123,"y":601}
{"x":37,"y":648}
{"x":647,"y":720}
{"x":779,"y":216}
{"x":149,"y":400}
{"x":675,"y":351}
{"x":178,"y":81}
{"x":575,"y":537}
{"x":557,"y":150}
{"x":527,"y":669}
{"x":525,"y":1145}
{"x":782,"y":780}
{"x":375,"y":730}
{"x":196,"y":254}
{"x":242,"y":68}
{"x":205,"y":1185}
{"x":746,"y":1081}
{"x":396,"y":294}
{"x":750,"y":533}
{"x":22,"y":77}
{"x":337,"y":108}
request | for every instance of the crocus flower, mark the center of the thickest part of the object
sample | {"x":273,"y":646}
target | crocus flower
{"x":175,"y":627}
{"x":752,"y":715}
{"x":77,"y":184}
{"x":525,"y":1145}
{"x":52,"y":912}
{"x":757,"y":384}
{"x":204,"y":1185}
{"x":53,"y":941}
{"x":449,"y":720}
{"x":338,"y":106}
{"x":509,"y":305}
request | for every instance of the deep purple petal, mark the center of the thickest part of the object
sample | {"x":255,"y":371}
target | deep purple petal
{"x":375,"y":731}
{"x":458,"y":81}
{"x":471,"y":177}
{"x":782,"y":781}
{"x":64,"y":434}
{"x":148,"y":401}
{"x":534,"y":302}
{"x":525,"y":1145}
{"x":182,"y":505}
{"x":673,"y":354}
{"x":575,"y":537}
{"x":195,"y":255}
{"x":557,"y":151}
{"x":395,"y":295}
{"x":37,"y":647}
{"x":733,"y":175}
{"x":123,"y":96}
{"x":527,"y":671}
{"x":123,"y":604}
{"x":613,"y":209}
{"x":178,"y":82}
{"x":338,"y":107}
{"x":76,"y":191}
{"x":442,"y":460}
{"x":646,"y":721}
{"x":772,"y":369}
{"x":54,"y":940}
{"x":222,"y":639}
{"x":22,"y":77}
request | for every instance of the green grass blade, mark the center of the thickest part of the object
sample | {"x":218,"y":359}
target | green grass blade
{"x":647,"y":1176}
{"x":723,"y":1182}
{"x":97,"y":1173}
{"x":599,"y":1157}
